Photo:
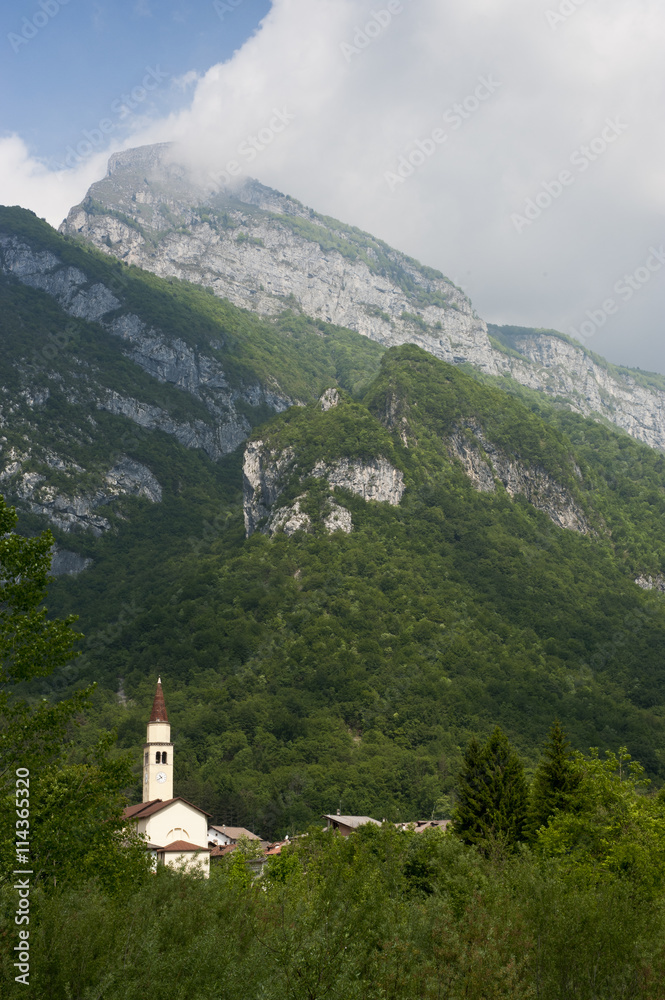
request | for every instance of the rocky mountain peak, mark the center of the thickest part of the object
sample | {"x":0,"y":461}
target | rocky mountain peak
{"x":268,"y":252}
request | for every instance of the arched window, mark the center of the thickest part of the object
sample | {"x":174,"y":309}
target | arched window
{"x":164,"y":757}
{"x":158,"y":757}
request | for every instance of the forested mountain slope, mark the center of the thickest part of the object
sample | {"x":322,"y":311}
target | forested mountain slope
{"x":343,"y":560}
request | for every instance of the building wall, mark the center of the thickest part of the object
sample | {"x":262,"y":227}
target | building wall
{"x":177,"y":821}
{"x":221,"y":838}
{"x":191,"y":862}
{"x":158,"y":741}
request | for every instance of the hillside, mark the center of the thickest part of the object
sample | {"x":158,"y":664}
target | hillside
{"x":337,"y":593}
{"x":265,"y":250}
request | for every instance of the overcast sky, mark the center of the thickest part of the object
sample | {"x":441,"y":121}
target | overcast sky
{"x":516,"y":145}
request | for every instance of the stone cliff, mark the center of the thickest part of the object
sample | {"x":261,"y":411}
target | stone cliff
{"x":167,"y":360}
{"x":267,"y":252}
{"x":268,"y":471}
{"x":567,"y":372}
{"x":488,"y":466}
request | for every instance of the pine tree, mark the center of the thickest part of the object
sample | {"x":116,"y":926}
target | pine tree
{"x":472,"y":788}
{"x":555,"y":782}
{"x":493,"y":794}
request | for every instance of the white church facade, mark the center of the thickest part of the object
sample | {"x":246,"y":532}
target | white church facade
{"x":176,"y":831}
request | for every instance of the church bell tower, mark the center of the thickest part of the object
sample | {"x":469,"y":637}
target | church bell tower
{"x":158,"y":752}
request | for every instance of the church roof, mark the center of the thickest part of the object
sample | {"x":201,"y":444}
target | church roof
{"x":179,"y":846}
{"x":133,"y":812}
{"x":145,"y":809}
{"x":159,"y":713}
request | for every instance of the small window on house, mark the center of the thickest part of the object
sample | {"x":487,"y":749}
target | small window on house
{"x":158,"y":757}
{"x":164,"y":757}
{"x":145,"y":757}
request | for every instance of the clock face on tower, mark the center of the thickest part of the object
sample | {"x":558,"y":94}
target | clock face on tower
{"x":161,"y":777}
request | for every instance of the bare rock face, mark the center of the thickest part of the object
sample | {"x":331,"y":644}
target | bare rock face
{"x":134,"y":479}
{"x":66,"y":563}
{"x":566,"y":371}
{"x":329,"y":399}
{"x":289,"y":519}
{"x":656,"y":583}
{"x":167,"y":360}
{"x":266,"y":251}
{"x":262,"y":472}
{"x":266,"y":471}
{"x":77,"y":509}
{"x":338,"y":519}
{"x":292,"y":518}
{"x":486,"y":466}
{"x":374,"y":479}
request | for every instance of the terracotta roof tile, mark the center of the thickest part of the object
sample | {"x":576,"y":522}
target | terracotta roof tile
{"x":159,"y":713}
{"x":149,"y":808}
{"x":132,"y":812}
{"x":182,"y":846}
{"x":220,"y":852}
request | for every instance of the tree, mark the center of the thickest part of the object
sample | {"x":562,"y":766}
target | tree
{"x":556,"y":781}
{"x":472,"y":794}
{"x":492,"y":806}
{"x":615,"y":831}
{"x":31,"y":645}
{"x":72,"y":809}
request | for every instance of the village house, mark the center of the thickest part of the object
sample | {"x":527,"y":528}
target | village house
{"x":221,"y":836}
{"x":347,"y":824}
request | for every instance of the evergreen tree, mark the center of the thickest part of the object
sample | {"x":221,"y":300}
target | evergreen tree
{"x":472,"y":795}
{"x":493,"y":794}
{"x":555,"y":782}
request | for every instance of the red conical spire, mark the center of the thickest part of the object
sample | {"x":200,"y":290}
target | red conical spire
{"x":159,"y":713}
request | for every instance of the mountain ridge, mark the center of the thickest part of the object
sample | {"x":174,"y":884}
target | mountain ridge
{"x":265,"y":250}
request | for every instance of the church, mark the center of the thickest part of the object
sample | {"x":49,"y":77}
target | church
{"x":175,"y":830}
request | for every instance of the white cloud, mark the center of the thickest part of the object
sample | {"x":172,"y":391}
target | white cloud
{"x":355,"y":114}
{"x":29,"y":182}
{"x":187,"y":79}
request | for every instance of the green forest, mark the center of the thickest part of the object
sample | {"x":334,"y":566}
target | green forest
{"x":458,"y":655}
{"x":320,"y":671}
{"x":548,"y":889}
